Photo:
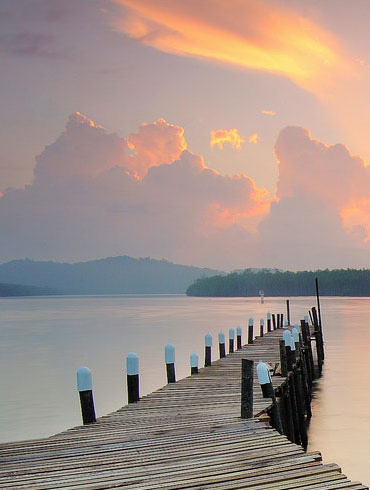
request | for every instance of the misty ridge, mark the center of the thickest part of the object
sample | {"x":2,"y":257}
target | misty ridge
{"x":112,"y":275}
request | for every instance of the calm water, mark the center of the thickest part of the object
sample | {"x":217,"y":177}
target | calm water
{"x":45,"y":340}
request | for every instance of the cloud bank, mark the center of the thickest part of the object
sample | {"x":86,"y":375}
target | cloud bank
{"x":97,"y":194}
{"x":255,"y":35}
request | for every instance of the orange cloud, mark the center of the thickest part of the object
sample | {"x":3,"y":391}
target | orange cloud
{"x":221,"y":136}
{"x":253,"y":138}
{"x":249,"y":34}
{"x":267,"y":112}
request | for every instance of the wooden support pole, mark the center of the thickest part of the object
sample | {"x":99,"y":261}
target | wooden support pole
{"x":250,"y":331}
{"x":208,"y":350}
{"x":288,"y":311}
{"x":231,"y":340}
{"x":273,"y":321}
{"x":293,"y":403}
{"x":306,"y":335}
{"x":262,"y":323}
{"x":247,"y":389}
{"x":269,"y":322}
{"x":221,"y":344}
{"x":132,"y":370}
{"x":84,"y":387}
{"x":318,"y":338}
{"x":281,"y":320}
{"x":169,"y":354}
{"x":283,"y":359}
{"x":194,"y":363}
{"x":239,"y":338}
{"x":288,"y":412}
{"x":318,"y":301}
{"x":268,"y":391}
{"x":297,"y":377}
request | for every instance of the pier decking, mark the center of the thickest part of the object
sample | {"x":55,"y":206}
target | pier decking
{"x":188,"y":434}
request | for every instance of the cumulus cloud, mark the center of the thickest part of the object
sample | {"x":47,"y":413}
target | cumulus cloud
{"x":96,"y":194}
{"x":221,"y":136}
{"x":320,"y":216}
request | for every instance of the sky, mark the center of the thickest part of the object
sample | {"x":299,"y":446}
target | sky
{"x":225,"y":134}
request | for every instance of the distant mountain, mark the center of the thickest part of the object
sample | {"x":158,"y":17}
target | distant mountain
{"x":113,"y":275}
{"x":23,"y":290}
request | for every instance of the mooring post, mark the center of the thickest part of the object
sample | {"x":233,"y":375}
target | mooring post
{"x":274,"y":321}
{"x":250,"y":331}
{"x":281,"y":320}
{"x":283,"y":359}
{"x":319,"y":343}
{"x":231,"y":340}
{"x":262,"y":324}
{"x":194,"y":363}
{"x":239,"y":338}
{"x":269,"y":322}
{"x":268,"y":391}
{"x":300,"y":402}
{"x":132,"y":371}
{"x":208,"y":350}
{"x":285,"y":389}
{"x":318,"y":301}
{"x":247,"y":389}
{"x":169,"y":355}
{"x":288,"y":311}
{"x":221,"y":344}
{"x":306,"y":335}
{"x":84,"y":387}
{"x":288,"y":341}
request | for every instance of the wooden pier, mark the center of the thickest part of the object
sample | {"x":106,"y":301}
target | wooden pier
{"x":187,"y":435}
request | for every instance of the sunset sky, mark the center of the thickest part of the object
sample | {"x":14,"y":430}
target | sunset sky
{"x":218,"y":133}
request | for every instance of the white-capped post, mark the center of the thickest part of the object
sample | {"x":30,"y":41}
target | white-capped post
{"x":169,"y":355}
{"x":289,"y":343}
{"x":269,"y":322}
{"x":231,"y":340}
{"x":250,"y":331}
{"x":194,"y":363}
{"x":132,"y":372}
{"x":221,"y":344}
{"x":268,"y":391}
{"x":239,"y":338}
{"x":84,"y":387}
{"x":262,"y":324}
{"x":208,"y":350}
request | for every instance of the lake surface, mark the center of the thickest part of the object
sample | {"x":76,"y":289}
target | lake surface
{"x":45,"y":339}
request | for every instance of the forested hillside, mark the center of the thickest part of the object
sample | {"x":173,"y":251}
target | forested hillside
{"x":340,"y":282}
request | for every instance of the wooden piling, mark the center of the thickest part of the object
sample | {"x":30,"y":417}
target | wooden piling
{"x":132,"y":370}
{"x":170,"y":363}
{"x":231,"y":340}
{"x":84,"y":387}
{"x":194,"y":363}
{"x":262,"y":323}
{"x":247,"y":389}
{"x":269,"y":322}
{"x":239,"y":338}
{"x":221,"y":344}
{"x":250,"y":331}
{"x":208,"y":350}
{"x":274,"y":321}
{"x":288,"y":311}
{"x":268,"y":391}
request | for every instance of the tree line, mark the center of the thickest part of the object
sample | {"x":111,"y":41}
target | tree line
{"x":338,"y":282}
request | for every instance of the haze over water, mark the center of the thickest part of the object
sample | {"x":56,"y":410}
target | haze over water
{"x":45,"y":340}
